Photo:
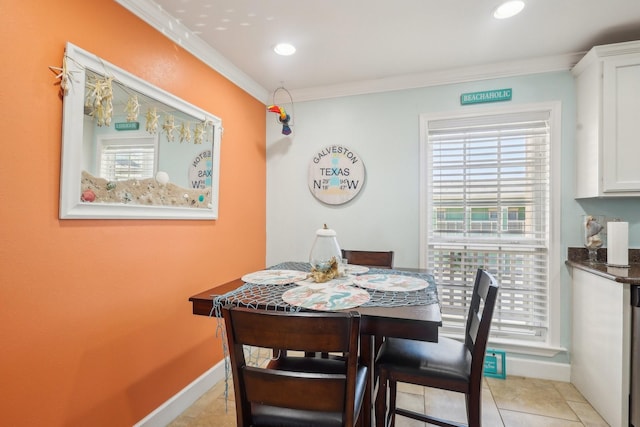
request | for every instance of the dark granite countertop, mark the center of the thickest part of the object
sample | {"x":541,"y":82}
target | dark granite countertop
{"x":578,"y":258}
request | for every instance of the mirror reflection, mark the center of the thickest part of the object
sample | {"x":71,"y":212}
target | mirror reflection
{"x":138,"y":151}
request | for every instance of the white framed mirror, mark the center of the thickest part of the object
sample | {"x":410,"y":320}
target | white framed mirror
{"x":132,"y":150}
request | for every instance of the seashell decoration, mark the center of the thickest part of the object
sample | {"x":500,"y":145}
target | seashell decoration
{"x":593,"y":235}
{"x":152,"y":120}
{"x":162,"y":178}
{"x":88,"y":196}
{"x":169,"y":127}
{"x":132,"y":109}
{"x":592,"y":231}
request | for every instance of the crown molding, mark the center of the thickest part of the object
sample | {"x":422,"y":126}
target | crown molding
{"x":169,"y":26}
{"x":598,"y":53}
{"x":442,"y":77}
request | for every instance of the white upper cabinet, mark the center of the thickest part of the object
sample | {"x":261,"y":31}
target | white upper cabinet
{"x":608,"y":121}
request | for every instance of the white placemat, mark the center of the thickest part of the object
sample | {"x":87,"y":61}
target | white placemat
{"x":317,"y":296}
{"x":390,"y":282}
{"x":274,"y":277}
{"x":356,"y":269}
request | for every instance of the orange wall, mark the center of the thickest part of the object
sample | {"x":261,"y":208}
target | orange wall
{"x":95,"y":324}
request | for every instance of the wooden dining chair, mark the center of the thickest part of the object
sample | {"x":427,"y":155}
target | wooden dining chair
{"x":376,"y":259}
{"x":447,"y":364}
{"x":294,"y":390}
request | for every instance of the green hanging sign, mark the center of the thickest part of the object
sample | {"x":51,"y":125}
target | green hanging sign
{"x":127,"y":126}
{"x":495,"y":95}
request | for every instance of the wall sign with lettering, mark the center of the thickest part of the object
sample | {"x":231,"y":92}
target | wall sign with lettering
{"x":495,"y":95}
{"x":336,"y":175}
{"x":200,"y":170}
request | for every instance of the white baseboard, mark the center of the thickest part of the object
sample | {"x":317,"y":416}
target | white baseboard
{"x":538,"y":369}
{"x":178,"y":403}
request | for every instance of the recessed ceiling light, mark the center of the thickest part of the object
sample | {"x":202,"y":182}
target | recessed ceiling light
{"x":284,"y":49}
{"x":508,"y":9}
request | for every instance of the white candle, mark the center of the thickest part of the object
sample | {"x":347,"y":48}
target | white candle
{"x":618,"y":244}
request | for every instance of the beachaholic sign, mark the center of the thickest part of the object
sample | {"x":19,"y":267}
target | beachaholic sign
{"x":495,"y":95}
{"x":336,"y":174}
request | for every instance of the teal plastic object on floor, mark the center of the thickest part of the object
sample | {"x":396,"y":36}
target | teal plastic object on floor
{"x":495,"y":364}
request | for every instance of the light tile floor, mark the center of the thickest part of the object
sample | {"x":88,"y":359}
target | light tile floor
{"x":514,"y":402}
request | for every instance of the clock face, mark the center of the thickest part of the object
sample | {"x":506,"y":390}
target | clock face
{"x":336,"y":175}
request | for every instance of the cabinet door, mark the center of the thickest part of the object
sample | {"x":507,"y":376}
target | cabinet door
{"x":601,"y":344}
{"x":621,"y":124}
{"x":588,"y":162}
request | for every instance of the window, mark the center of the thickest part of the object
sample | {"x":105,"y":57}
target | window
{"x":127,"y":158}
{"x":487,"y":199}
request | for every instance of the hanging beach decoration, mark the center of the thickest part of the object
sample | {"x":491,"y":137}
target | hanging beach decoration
{"x":198,"y":133}
{"x":65,"y":76}
{"x":132,"y":109}
{"x":152,"y":120}
{"x":185,"y":132}
{"x":169,"y":127}
{"x":99,"y":98}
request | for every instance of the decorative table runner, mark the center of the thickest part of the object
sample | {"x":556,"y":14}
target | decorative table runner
{"x":270,"y":296}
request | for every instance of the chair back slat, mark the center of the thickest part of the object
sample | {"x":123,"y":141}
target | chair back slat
{"x":321,"y":392}
{"x":379,"y":259}
{"x":474,"y":326}
{"x":306,"y":333}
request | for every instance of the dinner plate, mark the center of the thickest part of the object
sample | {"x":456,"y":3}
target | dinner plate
{"x":345,"y":280}
{"x":390,"y":282}
{"x":356,"y":269}
{"x":274,"y":277}
{"x":317,"y":296}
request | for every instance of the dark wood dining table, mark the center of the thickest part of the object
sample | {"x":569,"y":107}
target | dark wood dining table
{"x":413,"y":321}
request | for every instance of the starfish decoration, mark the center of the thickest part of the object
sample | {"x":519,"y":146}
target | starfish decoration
{"x":100,"y":99}
{"x":169,"y":127}
{"x":132,"y":109}
{"x":208,"y":123}
{"x":107,"y":100}
{"x":152,"y":120}
{"x":64,"y":74}
{"x":198,"y":133}
{"x":185,"y":133}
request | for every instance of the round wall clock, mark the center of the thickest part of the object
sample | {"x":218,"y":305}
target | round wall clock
{"x":336,"y":175}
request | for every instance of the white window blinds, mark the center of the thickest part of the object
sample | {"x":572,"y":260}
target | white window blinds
{"x":122,"y":161}
{"x":488,"y":207}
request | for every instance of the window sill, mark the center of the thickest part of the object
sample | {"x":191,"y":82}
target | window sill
{"x":520,"y":347}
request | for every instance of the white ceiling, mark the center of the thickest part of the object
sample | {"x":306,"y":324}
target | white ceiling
{"x":347,"y":42}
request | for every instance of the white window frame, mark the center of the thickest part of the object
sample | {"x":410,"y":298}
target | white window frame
{"x":552,"y":345}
